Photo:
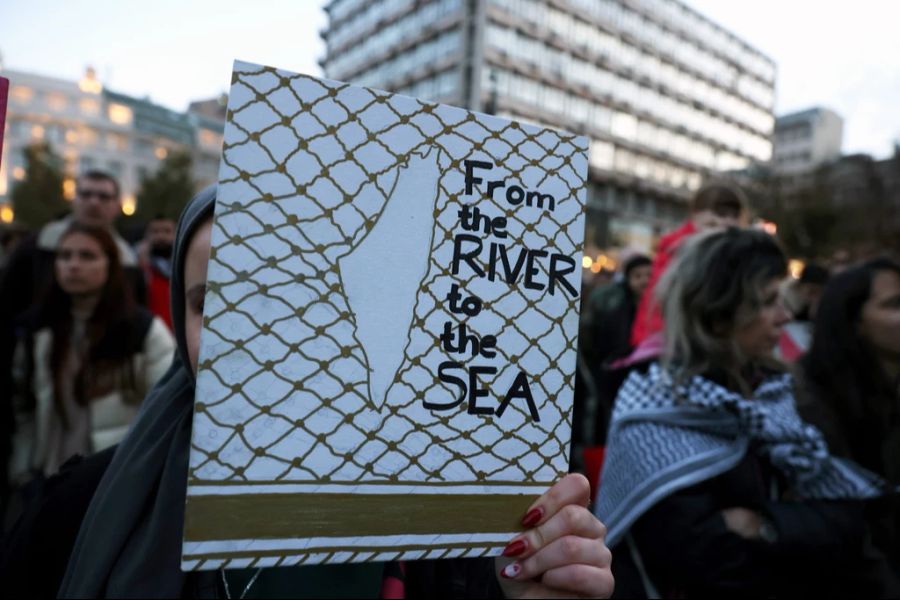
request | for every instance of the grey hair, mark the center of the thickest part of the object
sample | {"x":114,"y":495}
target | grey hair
{"x":714,"y":286}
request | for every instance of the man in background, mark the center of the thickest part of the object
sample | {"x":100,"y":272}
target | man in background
{"x":155,"y":256}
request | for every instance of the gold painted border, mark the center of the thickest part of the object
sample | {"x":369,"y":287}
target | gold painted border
{"x":277,"y":516}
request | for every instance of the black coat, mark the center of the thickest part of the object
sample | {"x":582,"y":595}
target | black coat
{"x":687,"y":550}
{"x":36,"y":551}
{"x":606,"y":336}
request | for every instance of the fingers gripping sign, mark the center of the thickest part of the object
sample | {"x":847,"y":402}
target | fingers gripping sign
{"x":563,"y":553}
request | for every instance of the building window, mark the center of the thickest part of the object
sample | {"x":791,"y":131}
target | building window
{"x":210,"y":139}
{"x":116,"y":142}
{"x":89,"y":106}
{"x":56,"y":101}
{"x":601,"y":155}
{"x":55,"y":134}
{"x":120,"y":114}
{"x":21,"y":93}
{"x":18,"y":129}
{"x":88,"y":136}
{"x":624,"y":125}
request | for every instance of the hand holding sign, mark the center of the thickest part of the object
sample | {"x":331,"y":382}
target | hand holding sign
{"x":563,"y":552}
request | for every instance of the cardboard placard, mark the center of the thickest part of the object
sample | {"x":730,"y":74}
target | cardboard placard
{"x":388,"y":356}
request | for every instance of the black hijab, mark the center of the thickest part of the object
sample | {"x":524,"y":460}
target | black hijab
{"x":129,"y":544}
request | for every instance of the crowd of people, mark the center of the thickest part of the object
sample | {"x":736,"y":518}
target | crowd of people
{"x":101,"y":511}
{"x":750,"y":427}
{"x":749,"y":423}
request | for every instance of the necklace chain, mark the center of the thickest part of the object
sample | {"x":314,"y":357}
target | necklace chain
{"x":246,"y":588}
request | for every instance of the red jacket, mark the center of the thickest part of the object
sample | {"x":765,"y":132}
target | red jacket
{"x":158,"y":294}
{"x":649,"y":318}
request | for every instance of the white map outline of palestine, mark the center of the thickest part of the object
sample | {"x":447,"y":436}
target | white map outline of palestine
{"x":399,"y":248}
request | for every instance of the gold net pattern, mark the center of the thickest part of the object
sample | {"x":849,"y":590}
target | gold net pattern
{"x":282,"y":387}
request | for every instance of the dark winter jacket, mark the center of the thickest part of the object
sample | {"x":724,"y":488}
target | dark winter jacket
{"x":673,"y":537}
{"x":687,"y":550}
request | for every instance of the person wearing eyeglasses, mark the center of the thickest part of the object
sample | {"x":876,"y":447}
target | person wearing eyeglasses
{"x":30,"y":269}
{"x":97,"y":203}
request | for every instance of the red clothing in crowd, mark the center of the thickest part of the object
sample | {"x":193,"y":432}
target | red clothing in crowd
{"x":158,"y":295}
{"x":649,"y":318}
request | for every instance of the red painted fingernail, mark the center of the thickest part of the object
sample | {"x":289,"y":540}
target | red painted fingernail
{"x":533,"y":517}
{"x":511,"y":570}
{"x":515,"y":548}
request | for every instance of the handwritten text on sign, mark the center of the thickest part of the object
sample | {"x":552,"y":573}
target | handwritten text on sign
{"x":468,"y":250}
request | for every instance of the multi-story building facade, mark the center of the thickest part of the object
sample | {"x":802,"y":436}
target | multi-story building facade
{"x":666,"y":96}
{"x":806,"y":139}
{"x":91,"y":127}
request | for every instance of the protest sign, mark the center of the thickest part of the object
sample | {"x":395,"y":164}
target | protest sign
{"x":388,"y":356}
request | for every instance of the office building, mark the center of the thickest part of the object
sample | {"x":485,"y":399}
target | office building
{"x":667,"y":97}
{"x":807,"y":139}
{"x":90,"y":127}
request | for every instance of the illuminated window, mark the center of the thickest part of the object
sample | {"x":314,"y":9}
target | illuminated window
{"x":18,"y":173}
{"x":161,"y":153}
{"x":6,"y":213}
{"x":71,"y":136}
{"x":37,"y":132}
{"x":21,"y":93}
{"x":120,"y":114}
{"x":210,"y":139}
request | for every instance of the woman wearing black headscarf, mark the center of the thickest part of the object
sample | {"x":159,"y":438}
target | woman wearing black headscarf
{"x":129,"y":543}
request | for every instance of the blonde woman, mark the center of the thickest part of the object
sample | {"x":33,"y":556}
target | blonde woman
{"x":713,"y":484}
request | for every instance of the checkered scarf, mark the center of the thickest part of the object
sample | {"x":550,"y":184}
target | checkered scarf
{"x":665,"y":437}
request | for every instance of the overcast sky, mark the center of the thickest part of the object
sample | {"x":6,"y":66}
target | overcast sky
{"x":842,"y":55}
